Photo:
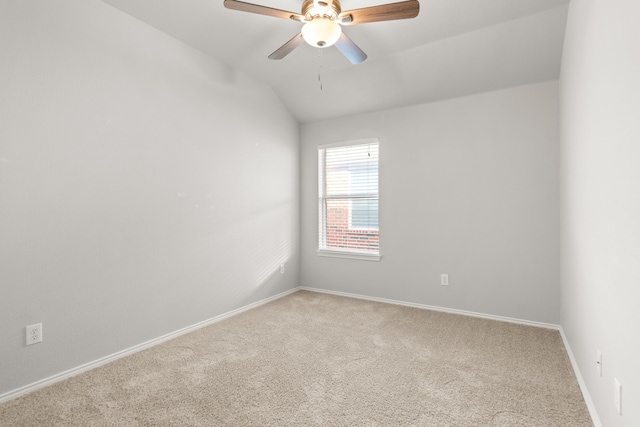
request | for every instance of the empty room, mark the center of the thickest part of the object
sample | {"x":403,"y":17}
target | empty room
{"x":320,"y":213}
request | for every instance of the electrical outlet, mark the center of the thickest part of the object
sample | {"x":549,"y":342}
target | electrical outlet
{"x":617,"y":395}
{"x":34,"y":333}
{"x":281,"y":268}
{"x":444,"y":279}
{"x":599,"y":362}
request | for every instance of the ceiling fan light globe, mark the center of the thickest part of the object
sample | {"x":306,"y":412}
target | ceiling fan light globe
{"x":321,"y":32}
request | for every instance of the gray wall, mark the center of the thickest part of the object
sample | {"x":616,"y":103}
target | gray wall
{"x":144,"y":187}
{"x":468,"y":187}
{"x":600,"y":164}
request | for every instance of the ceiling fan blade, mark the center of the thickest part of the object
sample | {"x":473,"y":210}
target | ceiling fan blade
{"x":385,"y":12}
{"x":262,"y":10}
{"x":350,"y":49}
{"x":286,"y":48}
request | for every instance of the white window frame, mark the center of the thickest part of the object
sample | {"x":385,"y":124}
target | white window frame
{"x":343,"y":253}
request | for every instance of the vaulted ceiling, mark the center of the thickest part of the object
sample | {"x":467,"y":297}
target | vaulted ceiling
{"x":453,"y":48}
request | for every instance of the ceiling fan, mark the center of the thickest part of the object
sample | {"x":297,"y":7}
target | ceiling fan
{"x":323,"y":19}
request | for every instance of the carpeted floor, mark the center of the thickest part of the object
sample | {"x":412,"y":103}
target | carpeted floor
{"x":312,"y":359}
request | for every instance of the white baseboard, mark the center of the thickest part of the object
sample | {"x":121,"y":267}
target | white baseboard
{"x":436,"y":308}
{"x":136,"y":348}
{"x":583,"y":385}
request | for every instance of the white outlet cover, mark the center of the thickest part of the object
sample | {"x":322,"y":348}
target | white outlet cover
{"x":599,"y":362}
{"x":617,"y":395}
{"x":34,"y":333}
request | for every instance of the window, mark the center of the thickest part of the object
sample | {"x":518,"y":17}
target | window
{"x":348,"y":200}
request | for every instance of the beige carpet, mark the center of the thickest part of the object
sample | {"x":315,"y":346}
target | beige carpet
{"x":313,"y":359}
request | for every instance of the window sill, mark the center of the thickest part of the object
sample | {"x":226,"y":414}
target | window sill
{"x":348,"y":255}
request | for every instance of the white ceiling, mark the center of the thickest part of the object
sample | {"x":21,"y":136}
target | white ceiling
{"x":453,"y":48}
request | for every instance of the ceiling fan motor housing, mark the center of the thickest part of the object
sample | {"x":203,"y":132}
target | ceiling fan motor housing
{"x":318,"y":8}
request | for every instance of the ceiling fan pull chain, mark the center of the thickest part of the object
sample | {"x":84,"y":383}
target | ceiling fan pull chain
{"x":320,"y":68}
